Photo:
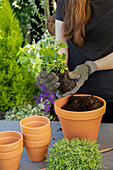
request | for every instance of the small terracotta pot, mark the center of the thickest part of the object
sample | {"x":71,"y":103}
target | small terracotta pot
{"x":10,"y":160}
{"x":84,"y":124}
{"x":36,"y":150}
{"x":35,"y":125}
{"x":38,"y":137}
{"x":10,"y":140}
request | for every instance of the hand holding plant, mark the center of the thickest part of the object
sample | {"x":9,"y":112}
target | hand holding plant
{"x":50,"y":80}
{"x":44,"y":57}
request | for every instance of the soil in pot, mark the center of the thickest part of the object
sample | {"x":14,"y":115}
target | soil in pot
{"x":82,"y":103}
{"x":66,"y":84}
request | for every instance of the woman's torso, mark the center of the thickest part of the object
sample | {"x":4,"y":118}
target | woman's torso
{"x":98,"y":43}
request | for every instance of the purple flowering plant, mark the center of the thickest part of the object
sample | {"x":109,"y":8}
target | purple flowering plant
{"x":45,"y":100}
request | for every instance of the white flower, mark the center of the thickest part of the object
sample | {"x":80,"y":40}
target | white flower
{"x":29,"y":106}
{"x":15,"y":5}
{"x":41,"y":106}
{"x":54,"y":61}
{"x":27,"y":46}
{"x":29,"y":51}
{"x":34,"y":110}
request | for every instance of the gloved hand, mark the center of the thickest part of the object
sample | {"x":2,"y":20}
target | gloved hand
{"x":80,"y":74}
{"x":50,"y":80}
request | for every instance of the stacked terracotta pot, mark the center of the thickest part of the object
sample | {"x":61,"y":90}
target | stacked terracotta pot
{"x":11,"y":147}
{"x":37,"y":136}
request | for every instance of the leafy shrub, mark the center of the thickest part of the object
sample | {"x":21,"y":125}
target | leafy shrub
{"x":43,"y":56}
{"x":25,"y":12}
{"x":74,"y":155}
{"x":32,"y":16}
{"x":16,"y":84}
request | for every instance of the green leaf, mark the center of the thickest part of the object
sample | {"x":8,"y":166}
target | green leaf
{"x":30,"y":69}
{"x":63,"y":56}
{"x":18,"y":60}
{"x":63,"y":45}
{"x":32,"y":61}
{"x":61,"y":71}
{"x":39,"y":68}
{"x":55,"y":53}
{"x":44,"y":44}
{"x":23,"y":59}
{"x":48,"y":69}
{"x":33,"y":53}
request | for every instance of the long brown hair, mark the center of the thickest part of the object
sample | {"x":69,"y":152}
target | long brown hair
{"x":77,"y":14}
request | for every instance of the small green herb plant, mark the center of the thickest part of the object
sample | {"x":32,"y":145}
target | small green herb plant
{"x":43,"y":56}
{"x":74,"y":155}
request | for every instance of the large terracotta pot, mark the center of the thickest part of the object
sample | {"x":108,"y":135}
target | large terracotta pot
{"x":36,"y":150}
{"x":84,"y":124}
{"x":11,"y":147}
{"x":35,"y":125}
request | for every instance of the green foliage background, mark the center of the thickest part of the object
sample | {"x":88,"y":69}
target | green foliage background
{"x":16,"y":84}
{"x":30,"y":14}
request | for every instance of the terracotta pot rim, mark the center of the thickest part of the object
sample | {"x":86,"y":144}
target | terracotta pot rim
{"x":76,"y":115}
{"x":34,"y":144}
{"x":12,"y":154}
{"x":11,"y":146}
{"x":36,"y":137}
{"x":36,"y":128}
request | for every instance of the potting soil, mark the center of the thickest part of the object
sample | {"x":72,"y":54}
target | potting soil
{"x":82,"y":103}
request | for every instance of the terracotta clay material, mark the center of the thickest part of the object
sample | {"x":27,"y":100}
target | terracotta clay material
{"x":38,"y":137}
{"x":82,"y":124}
{"x":10,"y":160}
{"x":10,"y":141}
{"x":36,"y":150}
{"x":35,"y":125}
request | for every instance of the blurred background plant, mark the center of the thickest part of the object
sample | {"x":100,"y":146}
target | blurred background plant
{"x":21,"y":22}
{"x":32,"y":16}
{"x":18,"y":113}
{"x":16,"y":84}
{"x":43,"y":105}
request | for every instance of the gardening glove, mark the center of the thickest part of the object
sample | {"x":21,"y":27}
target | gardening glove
{"x":50,"y":80}
{"x":80,"y":74}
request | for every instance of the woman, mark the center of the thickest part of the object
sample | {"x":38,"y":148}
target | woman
{"x":87,"y":27}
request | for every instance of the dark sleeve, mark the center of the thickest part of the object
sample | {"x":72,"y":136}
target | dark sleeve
{"x":59,"y":13}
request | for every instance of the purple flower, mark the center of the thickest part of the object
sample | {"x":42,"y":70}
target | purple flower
{"x":44,"y":95}
{"x":38,"y":83}
{"x":38,"y":78}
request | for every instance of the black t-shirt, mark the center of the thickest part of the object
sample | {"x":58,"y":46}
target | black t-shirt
{"x":98,"y":44}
